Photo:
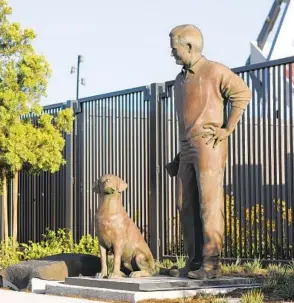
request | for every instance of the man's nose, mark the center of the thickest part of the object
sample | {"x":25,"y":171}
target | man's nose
{"x":172,"y":53}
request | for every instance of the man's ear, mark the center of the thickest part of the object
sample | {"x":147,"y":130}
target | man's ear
{"x":189,"y":45}
{"x":122,"y":185}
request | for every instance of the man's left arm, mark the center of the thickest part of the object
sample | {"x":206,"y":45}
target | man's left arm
{"x":236,"y":90}
{"x":233,"y":88}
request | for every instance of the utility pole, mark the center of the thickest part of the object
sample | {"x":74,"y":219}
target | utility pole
{"x":73,"y":70}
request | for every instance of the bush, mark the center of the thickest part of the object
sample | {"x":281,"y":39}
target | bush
{"x":53,"y":242}
{"x":59,"y":242}
{"x":280,"y":283}
{"x":8,"y":254}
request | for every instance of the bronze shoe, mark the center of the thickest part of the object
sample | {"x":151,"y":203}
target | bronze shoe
{"x":205,"y":273}
{"x":183,"y":272}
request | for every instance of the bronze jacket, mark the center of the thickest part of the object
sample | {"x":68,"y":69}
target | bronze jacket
{"x":200,"y":93}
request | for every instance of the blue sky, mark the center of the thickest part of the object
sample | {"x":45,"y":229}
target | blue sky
{"x":125,"y":43}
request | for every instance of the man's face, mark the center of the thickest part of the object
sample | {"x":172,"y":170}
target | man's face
{"x":180,"y":52}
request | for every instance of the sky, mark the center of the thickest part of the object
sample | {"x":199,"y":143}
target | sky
{"x":125,"y":43}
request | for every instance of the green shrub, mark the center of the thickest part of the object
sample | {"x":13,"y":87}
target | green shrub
{"x":280,"y":283}
{"x":59,"y":242}
{"x":285,"y":288}
{"x":87,"y":245}
{"x":165,"y":263}
{"x":9,"y":255}
{"x":53,"y":242}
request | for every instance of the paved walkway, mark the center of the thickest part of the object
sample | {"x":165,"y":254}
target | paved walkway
{"x":7,"y":296}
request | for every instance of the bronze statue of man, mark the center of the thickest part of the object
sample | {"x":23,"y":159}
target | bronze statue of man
{"x":201,"y":90}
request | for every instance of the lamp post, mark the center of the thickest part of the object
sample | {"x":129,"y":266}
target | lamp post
{"x":73,"y":70}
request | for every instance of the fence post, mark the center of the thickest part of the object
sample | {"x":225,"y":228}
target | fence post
{"x":69,"y":177}
{"x":154,"y":209}
{"x":78,"y":173}
{"x":1,"y":220}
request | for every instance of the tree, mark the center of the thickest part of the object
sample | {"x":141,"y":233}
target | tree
{"x":23,"y":81}
{"x":35,"y":148}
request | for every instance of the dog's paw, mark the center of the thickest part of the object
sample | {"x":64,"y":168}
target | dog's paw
{"x":139,"y":273}
{"x":116,"y":275}
{"x":135,"y":274}
{"x":101,"y":275}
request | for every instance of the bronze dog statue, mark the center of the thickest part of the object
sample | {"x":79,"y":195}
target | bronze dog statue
{"x":118,"y":233}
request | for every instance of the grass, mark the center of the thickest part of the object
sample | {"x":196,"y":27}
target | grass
{"x":203,"y":298}
{"x":277,"y":282}
{"x":252,"y":296}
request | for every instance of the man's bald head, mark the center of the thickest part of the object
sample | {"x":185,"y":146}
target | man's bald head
{"x":188,"y":34}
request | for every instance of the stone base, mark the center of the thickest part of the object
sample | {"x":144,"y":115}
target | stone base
{"x":157,"y":283}
{"x":136,"y":289}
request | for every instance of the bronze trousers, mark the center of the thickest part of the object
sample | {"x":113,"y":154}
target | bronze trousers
{"x":201,"y":199}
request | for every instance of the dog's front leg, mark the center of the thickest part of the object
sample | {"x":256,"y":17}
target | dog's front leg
{"x":103,"y":259}
{"x":117,"y":250}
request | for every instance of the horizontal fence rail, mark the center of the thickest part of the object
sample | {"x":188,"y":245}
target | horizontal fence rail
{"x":133,"y":133}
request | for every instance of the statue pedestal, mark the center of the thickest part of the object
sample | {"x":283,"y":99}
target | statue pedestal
{"x":136,"y":289}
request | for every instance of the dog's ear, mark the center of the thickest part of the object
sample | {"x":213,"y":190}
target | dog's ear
{"x":122,"y":185}
{"x":96,"y":187}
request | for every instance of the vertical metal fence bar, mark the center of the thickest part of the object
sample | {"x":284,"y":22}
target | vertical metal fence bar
{"x":154,"y":179}
{"x":270,"y":162}
{"x":68,"y":211}
{"x":239,"y":198}
{"x":259,"y":167}
{"x":248,"y":185}
{"x":280,"y":154}
{"x":232,"y":250}
{"x":173,"y":137}
{"x":147,"y":165}
{"x":265,"y":128}
{"x":136,"y":193}
{"x":132,"y":163}
{"x":285,"y":166}
{"x":290,"y":87}
{"x":242,"y":177}
{"x":275,"y":158}
{"x":254,"y":180}
{"x":163,"y":240}
{"x":140,"y":138}
{"x":123,"y":143}
{"x":165,"y":233}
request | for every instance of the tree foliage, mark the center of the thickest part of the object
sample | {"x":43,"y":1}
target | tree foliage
{"x":29,"y":138}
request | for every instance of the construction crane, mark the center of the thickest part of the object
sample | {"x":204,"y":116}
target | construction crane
{"x":275,"y":41}
{"x":276,"y":38}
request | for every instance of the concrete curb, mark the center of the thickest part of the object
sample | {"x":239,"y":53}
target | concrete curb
{"x":132,"y":296}
{"x":23,"y":297}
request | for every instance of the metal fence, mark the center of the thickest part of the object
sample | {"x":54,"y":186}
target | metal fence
{"x":134,"y":133}
{"x":259,"y":174}
{"x":42,"y":199}
{"x":113,"y":138}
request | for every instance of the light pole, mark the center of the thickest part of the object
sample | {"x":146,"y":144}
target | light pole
{"x":73,"y":70}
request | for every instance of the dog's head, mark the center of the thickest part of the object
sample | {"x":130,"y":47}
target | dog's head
{"x":109,"y":184}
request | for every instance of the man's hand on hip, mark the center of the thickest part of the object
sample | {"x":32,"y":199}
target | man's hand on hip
{"x":215,"y":134}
